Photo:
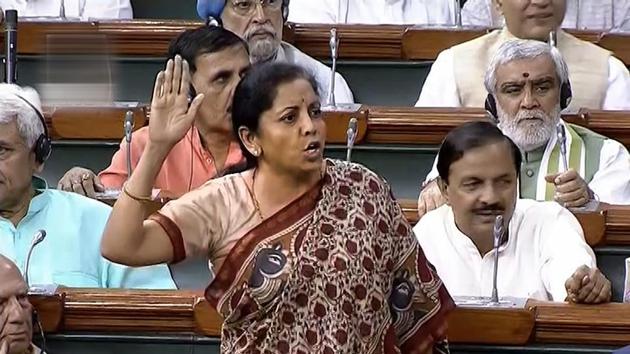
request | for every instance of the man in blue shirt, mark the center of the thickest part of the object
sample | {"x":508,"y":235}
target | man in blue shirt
{"x":69,"y":255}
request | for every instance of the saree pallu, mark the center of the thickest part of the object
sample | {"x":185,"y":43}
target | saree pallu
{"x":336,"y":271}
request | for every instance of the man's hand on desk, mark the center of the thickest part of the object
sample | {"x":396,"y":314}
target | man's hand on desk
{"x":571,"y":190}
{"x":430,"y":198}
{"x":588,"y":286}
{"x":82,"y":181}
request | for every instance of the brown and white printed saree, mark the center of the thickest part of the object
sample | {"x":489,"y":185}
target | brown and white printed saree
{"x":336,"y":271}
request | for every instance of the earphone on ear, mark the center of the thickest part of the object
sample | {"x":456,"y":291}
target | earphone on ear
{"x":43,"y":145}
{"x":565,"y":100}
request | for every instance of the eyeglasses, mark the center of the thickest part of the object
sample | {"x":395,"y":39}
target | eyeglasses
{"x":248,"y":7}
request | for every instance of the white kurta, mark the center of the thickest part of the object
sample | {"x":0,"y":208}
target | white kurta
{"x":545,"y":247}
{"x":322,"y":73}
{"x":421,"y":12}
{"x":84,"y":9}
{"x":611,"y":182}
{"x":440,"y":88}
{"x":592,"y":14}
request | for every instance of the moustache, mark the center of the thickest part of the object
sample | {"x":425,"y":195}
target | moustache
{"x":265,"y":29}
{"x":534,"y":114}
{"x":494,"y":209}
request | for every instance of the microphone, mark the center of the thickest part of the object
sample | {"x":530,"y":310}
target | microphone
{"x":553,"y":38}
{"x":457,"y":13}
{"x":10,"y":46}
{"x":497,"y":233}
{"x":334,"y":47}
{"x":39,"y":236}
{"x":351,"y":135}
{"x":128,"y":126}
{"x":562,"y":140}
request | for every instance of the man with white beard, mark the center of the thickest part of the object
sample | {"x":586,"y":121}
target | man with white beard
{"x":527,"y":83}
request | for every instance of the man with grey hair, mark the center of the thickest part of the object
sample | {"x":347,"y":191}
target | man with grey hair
{"x":600,"y":81}
{"x":260,"y":23}
{"x":63,"y":230}
{"x":528,"y":83}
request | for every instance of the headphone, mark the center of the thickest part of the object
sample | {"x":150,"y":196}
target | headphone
{"x":212,"y":9}
{"x":43,"y":145}
{"x":565,"y":99}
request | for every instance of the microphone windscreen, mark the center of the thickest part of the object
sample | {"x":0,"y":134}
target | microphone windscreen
{"x":10,"y":19}
{"x":210,"y":8}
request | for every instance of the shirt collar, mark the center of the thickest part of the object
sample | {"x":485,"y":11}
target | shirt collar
{"x":40,"y":199}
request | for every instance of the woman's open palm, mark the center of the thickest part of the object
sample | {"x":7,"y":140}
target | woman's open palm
{"x":171,"y":116}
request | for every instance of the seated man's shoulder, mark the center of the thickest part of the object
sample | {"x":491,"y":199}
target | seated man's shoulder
{"x":541,"y":211}
{"x":76,"y":203}
{"x":476,"y":43}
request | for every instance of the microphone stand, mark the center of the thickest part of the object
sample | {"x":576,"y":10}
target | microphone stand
{"x":334,"y":46}
{"x":128,"y":126}
{"x":10,"y":46}
{"x":351,"y":134}
{"x":497,"y":232}
{"x":40,"y":235}
{"x":562,"y":141}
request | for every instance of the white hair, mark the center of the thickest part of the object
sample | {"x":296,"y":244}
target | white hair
{"x":13,"y":108}
{"x":519,"y":49}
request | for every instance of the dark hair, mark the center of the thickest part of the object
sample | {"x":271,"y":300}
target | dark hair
{"x":469,"y":136}
{"x":256,"y":92}
{"x":192,"y":43}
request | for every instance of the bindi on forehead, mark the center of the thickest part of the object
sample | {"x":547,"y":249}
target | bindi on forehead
{"x":526,"y":75}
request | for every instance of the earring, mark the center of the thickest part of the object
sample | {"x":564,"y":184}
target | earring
{"x":255,"y":152}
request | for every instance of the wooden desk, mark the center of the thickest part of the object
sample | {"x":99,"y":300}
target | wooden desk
{"x":377,"y":125}
{"x":111,"y":311}
{"x":374,"y":42}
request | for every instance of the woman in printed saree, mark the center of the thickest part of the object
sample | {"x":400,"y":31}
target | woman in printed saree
{"x":311,"y":255}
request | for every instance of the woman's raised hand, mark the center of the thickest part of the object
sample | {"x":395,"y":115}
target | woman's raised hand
{"x":171,"y":114}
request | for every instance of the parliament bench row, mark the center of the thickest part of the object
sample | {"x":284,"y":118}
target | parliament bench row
{"x":398,"y":143}
{"x":383,"y":64}
{"x":185,"y":320}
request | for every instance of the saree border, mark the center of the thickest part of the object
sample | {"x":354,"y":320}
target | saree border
{"x":283,"y":219}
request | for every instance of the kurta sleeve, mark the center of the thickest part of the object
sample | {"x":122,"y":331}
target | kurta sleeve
{"x":563,"y":251}
{"x":611,"y":182}
{"x":618,"y":93}
{"x":440,"y":88}
{"x":196,"y":221}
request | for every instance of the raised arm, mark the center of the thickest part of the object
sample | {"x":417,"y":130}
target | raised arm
{"x":128,"y":238}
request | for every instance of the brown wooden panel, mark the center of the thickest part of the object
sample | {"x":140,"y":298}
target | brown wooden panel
{"x":103,"y":310}
{"x":376,"y":42}
{"x":337,"y":125}
{"x":356,"y":41}
{"x":491,"y":326}
{"x":96,"y":123}
{"x":425,"y":43}
{"x":607,"y":324}
{"x":50,"y":310}
{"x":129,"y":310}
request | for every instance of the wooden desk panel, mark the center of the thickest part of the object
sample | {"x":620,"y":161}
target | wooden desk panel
{"x":369,"y":42}
{"x":111,"y":311}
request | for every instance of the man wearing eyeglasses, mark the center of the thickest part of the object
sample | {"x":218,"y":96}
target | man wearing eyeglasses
{"x":260,"y":22}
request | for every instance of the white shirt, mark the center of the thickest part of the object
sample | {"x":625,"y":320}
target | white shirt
{"x":545,"y":246}
{"x":424,"y":12}
{"x":83,"y":9}
{"x":611,"y":182}
{"x":322,"y":73}
{"x":440,"y":87}
{"x":591,"y":14}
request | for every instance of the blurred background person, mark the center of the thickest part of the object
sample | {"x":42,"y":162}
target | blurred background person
{"x":373,"y":12}
{"x":580,"y":14}
{"x":82,"y":9}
